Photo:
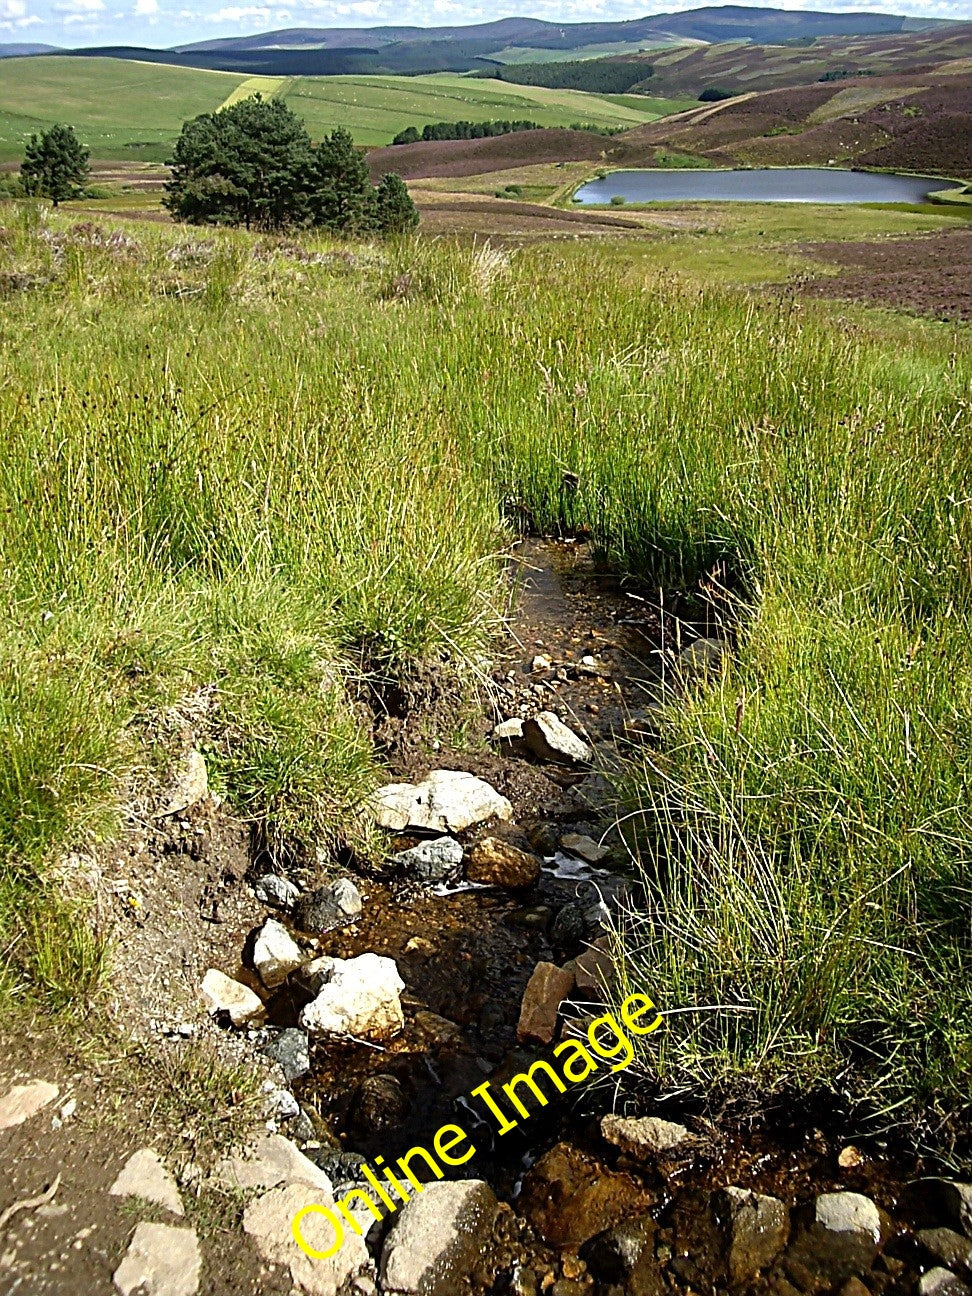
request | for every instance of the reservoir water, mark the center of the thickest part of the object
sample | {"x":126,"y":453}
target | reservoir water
{"x":777,"y":184}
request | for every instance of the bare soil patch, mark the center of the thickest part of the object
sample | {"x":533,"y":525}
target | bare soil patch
{"x":930,"y":275}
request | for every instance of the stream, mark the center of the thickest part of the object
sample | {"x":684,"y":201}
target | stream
{"x":594,"y":648}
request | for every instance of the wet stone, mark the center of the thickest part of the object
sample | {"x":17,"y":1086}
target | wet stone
{"x":568,"y":1197}
{"x":495,"y":862}
{"x":584,"y":847}
{"x":941,"y":1282}
{"x":379,"y":1105}
{"x":755,"y":1229}
{"x":625,"y":1255}
{"x":291,"y":1051}
{"x":438,"y":1239}
{"x":949,"y":1248}
{"x":328,"y":907}
{"x":546,"y":990}
{"x":842,"y":1240}
{"x":569,"y":927}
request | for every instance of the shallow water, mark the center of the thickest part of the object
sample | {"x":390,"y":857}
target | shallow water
{"x":777,"y":184}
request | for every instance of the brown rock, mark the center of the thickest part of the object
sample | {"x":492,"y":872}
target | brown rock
{"x":755,"y":1229}
{"x":595,"y":966}
{"x":545,"y":992}
{"x":568,"y":1197}
{"x":499,"y":863}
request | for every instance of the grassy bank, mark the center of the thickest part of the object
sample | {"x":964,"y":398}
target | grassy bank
{"x":265,"y":466}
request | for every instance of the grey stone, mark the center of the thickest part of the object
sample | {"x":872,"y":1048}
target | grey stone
{"x":274,"y":890}
{"x":275,"y":954}
{"x":225,"y":996}
{"x":22,"y":1102}
{"x":940,"y":1282}
{"x":755,"y":1227}
{"x":948,"y":1248}
{"x":702,"y":659}
{"x":144,"y":1175}
{"x":430,"y":861}
{"x":269,"y":1161}
{"x":549,"y":739}
{"x":360,"y":997}
{"x":842,"y":1239}
{"x":342,"y":1168}
{"x":957,"y":1203}
{"x":645,"y":1137}
{"x":331,"y":906}
{"x":291,"y":1051}
{"x":438,"y":1239}
{"x":269,"y":1219}
{"x":447,"y":801}
{"x":584,"y":847}
{"x":161,"y":1260}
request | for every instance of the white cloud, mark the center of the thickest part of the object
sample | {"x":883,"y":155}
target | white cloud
{"x":249,"y":13}
{"x":145,"y":8}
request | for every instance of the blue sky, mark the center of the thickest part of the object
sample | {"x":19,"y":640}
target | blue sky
{"x":171,"y":22}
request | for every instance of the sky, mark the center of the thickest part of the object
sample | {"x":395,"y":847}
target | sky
{"x":162,"y":23}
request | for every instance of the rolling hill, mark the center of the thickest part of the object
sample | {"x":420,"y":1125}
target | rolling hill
{"x":125,"y":110}
{"x":414,"y":50}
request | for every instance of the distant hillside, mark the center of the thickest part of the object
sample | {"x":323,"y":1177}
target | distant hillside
{"x":123,"y":110}
{"x":20,"y":50}
{"x":917,"y":122}
{"x":412,"y":50}
{"x":744,"y":67}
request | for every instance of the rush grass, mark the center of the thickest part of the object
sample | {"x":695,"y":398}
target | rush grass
{"x":265,"y":466}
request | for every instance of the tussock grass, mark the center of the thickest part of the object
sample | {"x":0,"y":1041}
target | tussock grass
{"x":267,"y":466}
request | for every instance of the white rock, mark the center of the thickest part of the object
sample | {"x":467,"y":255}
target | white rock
{"x":191,"y":786}
{"x":644,"y":1137}
{"x":360,"y":997}
{"x":447,"y":801}
{"x":24,"y":1101}
{"x":509,"y":730}
{"x":269,"y":1161}
{"x":549,"y":739}
{"x":275,"y":954}
{"x":269,"y":1220}
{"x":941,"y":1282}
{"x":160,"y":1261}
{"x":224,"y":995}
{"x":848,"y":1212}
{"x":144,"y":1175}
{"x":438,"y":1239}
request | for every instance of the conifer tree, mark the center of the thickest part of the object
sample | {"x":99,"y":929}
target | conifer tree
{"x":55,"y":165}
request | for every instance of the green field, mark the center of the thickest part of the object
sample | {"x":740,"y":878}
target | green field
{"x":120,"y":109}
{"x":133,"y":111}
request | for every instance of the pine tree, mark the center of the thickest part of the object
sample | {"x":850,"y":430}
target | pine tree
{"x":342,"y":195}
{"x":395,"y":213}
{"x":245,"y":165}
{"x":55,"y":165}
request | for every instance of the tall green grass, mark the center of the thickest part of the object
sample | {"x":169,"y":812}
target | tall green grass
{"x":269,"y":467}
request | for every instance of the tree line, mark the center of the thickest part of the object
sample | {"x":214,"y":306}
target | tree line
{"x":596,"y":76}
{"x":251,"y":164}
{"x":462,"y":130}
